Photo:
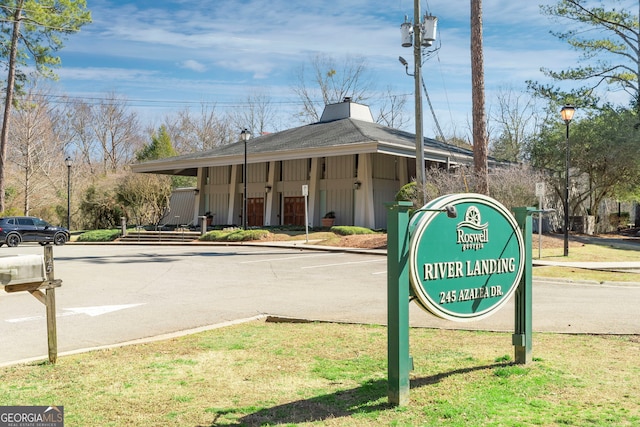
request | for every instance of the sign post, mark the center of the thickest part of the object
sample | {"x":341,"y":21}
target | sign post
{"x":399,"y":361}
{"x":522,"y":336}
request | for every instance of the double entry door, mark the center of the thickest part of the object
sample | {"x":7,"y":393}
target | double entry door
{"x":255,"y":212}
{"x":294,"y":211}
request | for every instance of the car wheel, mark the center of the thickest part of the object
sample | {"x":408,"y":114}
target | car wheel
{"x":60,"y":239}
{"x":13,"y":240}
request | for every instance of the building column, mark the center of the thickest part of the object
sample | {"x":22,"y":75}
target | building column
{"x":199,"y":195}
{"x":268,"y":205}
{"x":314,"y":193}
{"x":233,"y":194}
{"x":364,"y":213}
{"x":403,"y":171}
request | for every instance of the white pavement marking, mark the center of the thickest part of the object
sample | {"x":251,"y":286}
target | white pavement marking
{"x":287,"y":258}
{"x":101,"y":309}
{"x":89,"y":311}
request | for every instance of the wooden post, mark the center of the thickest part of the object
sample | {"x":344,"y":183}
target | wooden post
{"x":48,"y":298}
{"x":50,"y":302}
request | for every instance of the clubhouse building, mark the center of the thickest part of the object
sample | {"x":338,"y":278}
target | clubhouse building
{"x":345,"y":163}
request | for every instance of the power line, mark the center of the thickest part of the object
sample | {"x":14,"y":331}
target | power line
{"x":94,"y":100}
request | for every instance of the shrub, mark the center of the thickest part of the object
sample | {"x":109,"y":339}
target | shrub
{"x":99,"y":235}
{"x":513,"y":185}
{"x":408,"y":193}
{"x":213,"y":236}
{"x":619,"y":220}
{"x":247,"y":235}
{"x":347,"y":230}
{"x":234,"y":235}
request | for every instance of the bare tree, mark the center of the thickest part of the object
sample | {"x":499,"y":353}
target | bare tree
{"x":78,"y":119}
{"x":392,"y":110}
{"x":257,"y":115}
{"x":325,"y":81}
{"x":36,"y":150}
{"x":512,"y":186}
{"x":117,"y":131}
{"x":196,"y":132}
{"x":516,"y":120}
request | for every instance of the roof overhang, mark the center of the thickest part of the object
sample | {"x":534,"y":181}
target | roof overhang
{"x":190,"y":166}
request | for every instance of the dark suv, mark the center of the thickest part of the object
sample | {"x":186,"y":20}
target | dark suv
{"x":17,"y":229}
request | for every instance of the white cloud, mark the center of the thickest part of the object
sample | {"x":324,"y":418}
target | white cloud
{"x":246,"y":44}
{"x":193,"y":65}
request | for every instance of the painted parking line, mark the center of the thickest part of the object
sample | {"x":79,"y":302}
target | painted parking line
{"x":289,"y":258}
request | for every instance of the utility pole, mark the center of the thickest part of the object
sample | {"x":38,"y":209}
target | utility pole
{"x":417,"y":75}
{"x":419,"y":34}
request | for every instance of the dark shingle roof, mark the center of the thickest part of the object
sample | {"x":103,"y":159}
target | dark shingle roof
{"x":325,"y":139}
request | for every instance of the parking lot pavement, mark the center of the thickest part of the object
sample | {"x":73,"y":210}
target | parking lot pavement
{"x":115,"y":293}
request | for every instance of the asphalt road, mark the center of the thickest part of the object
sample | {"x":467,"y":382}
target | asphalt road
{"x":115,"y":293}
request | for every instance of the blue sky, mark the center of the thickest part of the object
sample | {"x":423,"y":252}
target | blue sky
{"x":166,"y":55}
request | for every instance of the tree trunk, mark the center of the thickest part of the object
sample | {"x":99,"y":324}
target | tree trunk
{"x":27,"y":181}
{"x":11,"y":79}
{"x":478,"y":101}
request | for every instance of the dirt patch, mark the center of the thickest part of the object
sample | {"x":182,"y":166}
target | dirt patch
{"x":363,"y":241}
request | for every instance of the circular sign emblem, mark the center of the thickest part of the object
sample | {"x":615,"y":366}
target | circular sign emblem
{"x":467,"y":267}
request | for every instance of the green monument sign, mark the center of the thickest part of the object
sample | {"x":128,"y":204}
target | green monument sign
{"x":460,"y":266}
{"x":465,"y":268}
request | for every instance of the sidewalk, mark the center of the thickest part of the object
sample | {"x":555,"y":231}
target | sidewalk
{"x":621,"y":266}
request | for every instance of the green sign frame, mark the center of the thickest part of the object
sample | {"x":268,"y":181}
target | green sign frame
{"x":464,"y":268}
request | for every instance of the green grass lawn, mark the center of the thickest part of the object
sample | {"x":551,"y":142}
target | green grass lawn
{"x":586,"y":253}
{"x":335,"y":375}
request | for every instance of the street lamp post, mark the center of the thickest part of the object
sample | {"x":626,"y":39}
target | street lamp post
{"x":244,"y":136}
{"x":567,"y":115}
{"x":419,"y":34}
{"x":68,"y":162}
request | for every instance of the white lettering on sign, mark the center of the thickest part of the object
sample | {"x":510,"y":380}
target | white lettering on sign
{"x":471,"y":294}
{"x":485,"y":267}
{"x":472,"y":240}
{"x":480,"y":267}
{"x":443,"y":270}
